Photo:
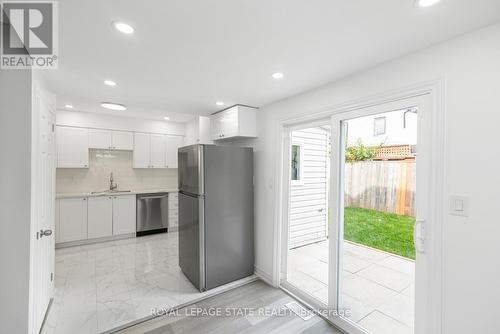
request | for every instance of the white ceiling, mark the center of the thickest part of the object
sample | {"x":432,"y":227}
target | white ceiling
{"x":187,"y":54}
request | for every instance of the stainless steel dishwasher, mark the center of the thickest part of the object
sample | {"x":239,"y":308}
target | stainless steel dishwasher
{"x":152,"y":213}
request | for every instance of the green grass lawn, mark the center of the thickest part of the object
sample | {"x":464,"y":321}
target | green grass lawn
{"x":385,"y":231}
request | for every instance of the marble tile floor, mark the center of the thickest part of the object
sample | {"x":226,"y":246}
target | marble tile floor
{"x":377,"y":287}
{"x":102,"y":286}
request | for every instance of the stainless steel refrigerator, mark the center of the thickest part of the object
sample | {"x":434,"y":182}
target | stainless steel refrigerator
{"x":216,"y":233}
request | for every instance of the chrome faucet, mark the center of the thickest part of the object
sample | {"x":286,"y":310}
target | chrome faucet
{"x":112,"y":184}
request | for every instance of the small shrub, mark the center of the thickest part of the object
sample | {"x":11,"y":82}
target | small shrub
{"x":359,"y":152}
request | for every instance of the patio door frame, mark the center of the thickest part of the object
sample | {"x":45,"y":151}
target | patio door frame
{"x":424,"y":162}
{"x":435,"y":125}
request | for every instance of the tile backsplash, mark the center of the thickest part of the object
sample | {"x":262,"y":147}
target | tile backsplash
{"x":102,"y":163}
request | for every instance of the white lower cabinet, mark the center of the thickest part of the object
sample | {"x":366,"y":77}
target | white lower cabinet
{"x":80,"y":219}
{"x":100,"y":217}
{"x":71,"y":219}
{"x":124,"y":214}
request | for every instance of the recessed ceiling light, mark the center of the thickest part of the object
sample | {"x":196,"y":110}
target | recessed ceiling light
{"x":69,"y":106}
{"x":426,"y":3}
{"x":113,"y":106}
{"x":123,"y":27}
{"x":166,"y":118}
{"x":278,"y":75}
{"x":109,"y":83}
{"x":219,"y":103}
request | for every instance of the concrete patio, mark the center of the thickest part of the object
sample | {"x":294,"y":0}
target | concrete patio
{"x":376,"y":286}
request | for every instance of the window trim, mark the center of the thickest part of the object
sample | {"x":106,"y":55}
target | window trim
{"x":300,"y":181}
{"x":375,"y":127}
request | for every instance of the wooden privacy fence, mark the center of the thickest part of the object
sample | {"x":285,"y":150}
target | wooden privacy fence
{"x":387,"y":186}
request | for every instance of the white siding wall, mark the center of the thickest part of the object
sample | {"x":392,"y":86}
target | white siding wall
{"x":308,"y":207}
{"x":395,"y":133}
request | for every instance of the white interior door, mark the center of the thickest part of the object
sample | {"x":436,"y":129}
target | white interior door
{"x":338,"y":282}
{"x":44,"y":222}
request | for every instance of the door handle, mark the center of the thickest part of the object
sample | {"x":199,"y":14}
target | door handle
{"x":419,"y":235}
{"x":44,"y":233}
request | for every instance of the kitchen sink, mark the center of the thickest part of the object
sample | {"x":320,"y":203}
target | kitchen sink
{"x":106,"y":192}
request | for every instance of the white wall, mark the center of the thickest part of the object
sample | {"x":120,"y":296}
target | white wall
{"x":470,"y":67}
{"x":104,"y":121}
{"x":15,"y":199}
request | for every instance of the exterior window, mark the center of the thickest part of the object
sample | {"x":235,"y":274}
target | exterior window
{"x":296,"y":163}
{"x":379,"y":126}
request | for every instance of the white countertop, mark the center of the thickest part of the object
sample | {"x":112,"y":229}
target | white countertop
{"x":133,"y":192}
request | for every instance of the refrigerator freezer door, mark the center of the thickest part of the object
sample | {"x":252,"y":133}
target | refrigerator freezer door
{"x":229,"y":234}
{"x":190,"y":169}
{"x":190,"y":244}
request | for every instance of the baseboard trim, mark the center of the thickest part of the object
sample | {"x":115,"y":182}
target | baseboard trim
{"x":264,"y":276}
{"x":93,"y":241}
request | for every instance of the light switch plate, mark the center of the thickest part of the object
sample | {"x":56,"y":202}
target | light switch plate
{"x":459,"y":205}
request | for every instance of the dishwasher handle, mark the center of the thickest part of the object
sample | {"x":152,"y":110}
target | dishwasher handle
{"x":153,"y":197}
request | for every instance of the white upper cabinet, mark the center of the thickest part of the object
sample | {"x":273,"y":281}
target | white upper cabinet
{"x":204,"y":130}
{"x":157,"y":151}
{"x":141,"y":150}
{"x":72,"y":147}
{"x":172,"y":145}
{"x":122,"y":140}
{"x":100,"y":139}
{"x":149,"y":150}
{"x":112,"y":140}
{"x":198,"y":131}
{"x":235,"y":122}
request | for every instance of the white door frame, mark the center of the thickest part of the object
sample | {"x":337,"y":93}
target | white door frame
{"x":435,"y":90}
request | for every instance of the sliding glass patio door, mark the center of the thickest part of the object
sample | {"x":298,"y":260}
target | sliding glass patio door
{"x":357,"y":238}
{"x":380,"y":172}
